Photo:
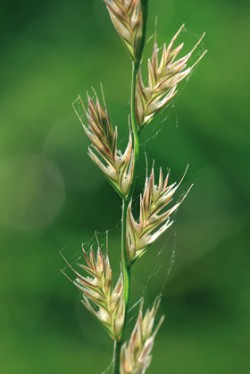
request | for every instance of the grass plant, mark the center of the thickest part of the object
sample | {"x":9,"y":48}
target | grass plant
{"x":108,"y":300}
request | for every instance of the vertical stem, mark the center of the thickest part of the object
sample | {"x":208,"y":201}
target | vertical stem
{"x":135,"y":129}
{"x":125,"y":203}
{"x":125,"y":264}
{"x":116,"y":357}
{"x":126,"y":284}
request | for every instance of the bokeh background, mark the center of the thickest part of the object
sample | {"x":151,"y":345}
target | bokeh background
{"x":52,"y":198}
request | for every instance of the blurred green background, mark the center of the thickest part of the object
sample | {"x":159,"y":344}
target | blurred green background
{"x":52,"y":198}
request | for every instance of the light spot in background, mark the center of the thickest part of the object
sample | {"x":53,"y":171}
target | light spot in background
{"x":67,"y":145}
{"x":32,"y":191}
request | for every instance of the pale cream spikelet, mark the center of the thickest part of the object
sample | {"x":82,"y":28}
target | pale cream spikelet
{"x":154,"y":220}
{"x":98,"y":295}
{"x":136,"y":353}
{"x":163,"y":78}
{"x":118,"y":167}
{"x":127,"y":18}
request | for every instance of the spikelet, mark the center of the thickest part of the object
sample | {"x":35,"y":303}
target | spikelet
{"x":163,"y":78}
{"x":136,"y":354}
{"x":118,"y":167}
{"x":127,"y":18}
{"x":99,"y":297}
{"x":154,"y":219}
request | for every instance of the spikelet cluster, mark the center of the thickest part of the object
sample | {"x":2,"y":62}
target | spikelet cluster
{"x":154,"y":220}
{"x":126,"y":16}
{"x":163,"y":78}
{"x":99,"y":297}
{"x":117,"y":167}
{"x":136,"y":354}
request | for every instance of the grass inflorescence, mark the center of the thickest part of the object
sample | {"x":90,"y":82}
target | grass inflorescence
{"x":106,"y":300}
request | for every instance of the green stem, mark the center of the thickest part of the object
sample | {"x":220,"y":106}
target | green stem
{"x":126,"y":284}
{"x":126,"y":201}
{"x":116,"y":357}
{"x":125,"y":263}
{"x":125,"y":204}
{"x":134,"y":124}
